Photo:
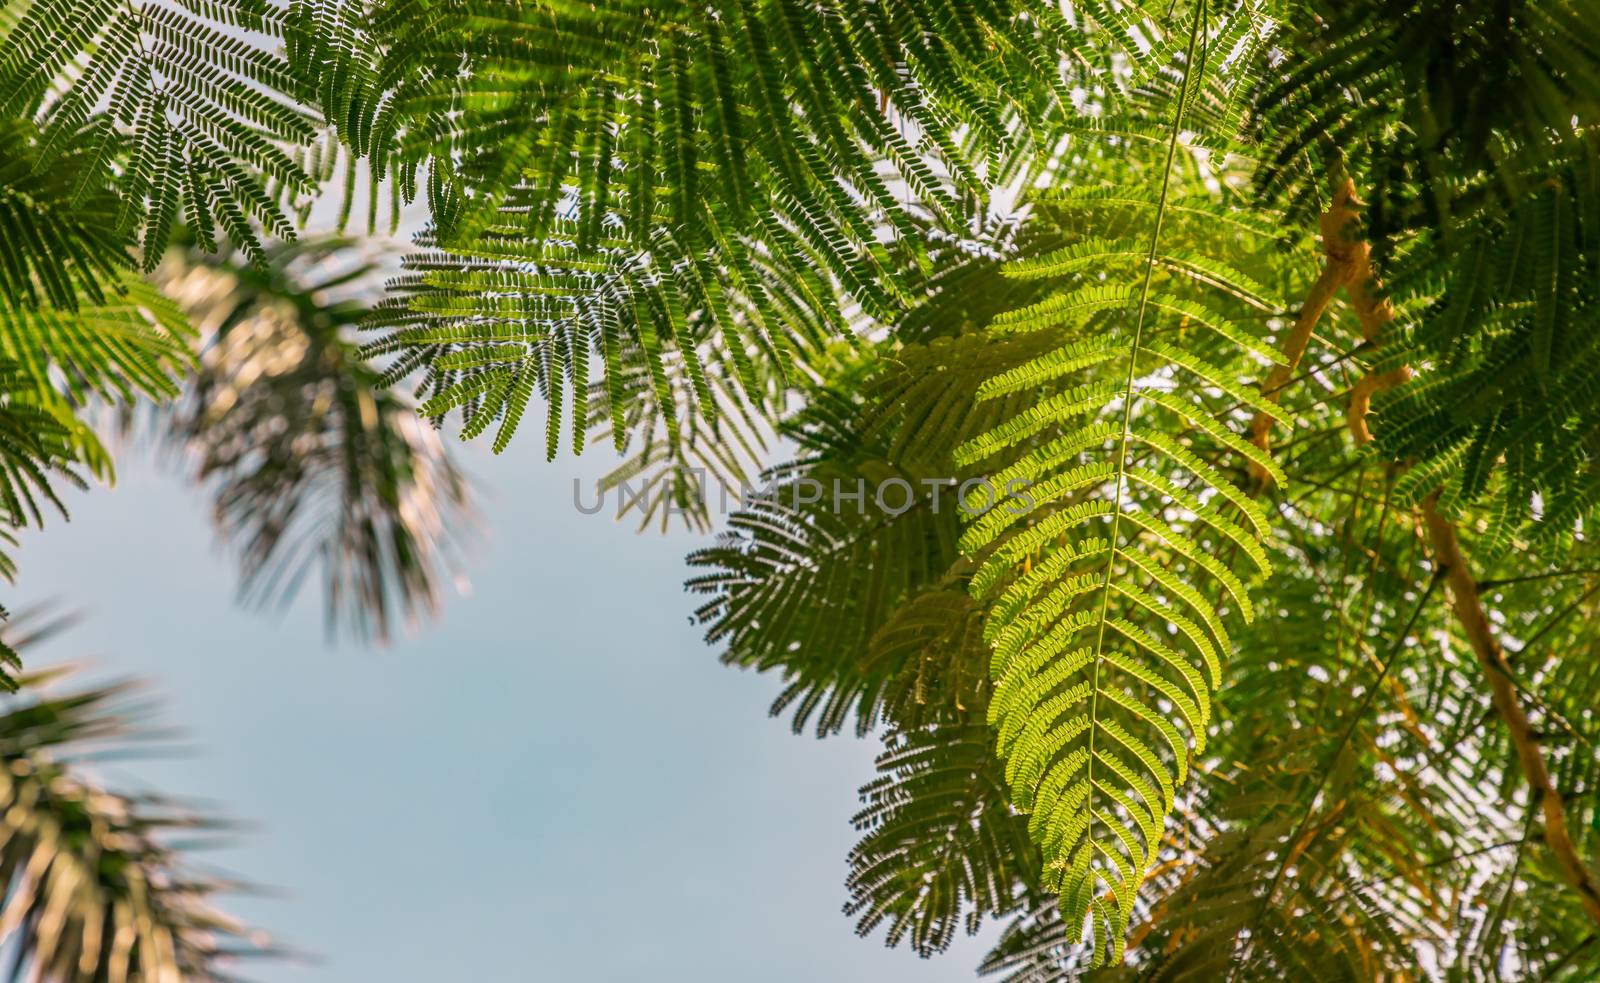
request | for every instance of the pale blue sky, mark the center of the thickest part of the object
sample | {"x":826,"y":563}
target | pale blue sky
{"x":557,"y":781}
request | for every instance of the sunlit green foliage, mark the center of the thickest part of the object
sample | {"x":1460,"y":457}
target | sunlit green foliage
{"x":1204,"y":708}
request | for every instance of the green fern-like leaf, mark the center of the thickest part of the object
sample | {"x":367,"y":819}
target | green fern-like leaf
{"x":690,"y":149}
{"x":942,"y":846}
{"x":859,"y":604}
{"x":196,"y":114}
{"x":1109,"y":598}
{"x":59,"y":241}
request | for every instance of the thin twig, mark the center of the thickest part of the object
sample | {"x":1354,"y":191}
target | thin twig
{"x":1505,"y":581}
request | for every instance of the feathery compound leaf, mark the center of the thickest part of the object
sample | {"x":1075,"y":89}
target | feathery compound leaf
{"x":1106,"y":651}
{"x":58,"y":236}
{"x":753,"y":169}
{"x":178,"y":97}
{"x":487,"y":324}
{"x":942,"y":847}
{"x":855,"y":599}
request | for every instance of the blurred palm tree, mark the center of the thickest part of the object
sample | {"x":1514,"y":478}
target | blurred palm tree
{"x":95,"y":885}
{"x":316,"y":468}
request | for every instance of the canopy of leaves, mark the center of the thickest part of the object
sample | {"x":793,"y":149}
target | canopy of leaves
{"x":1239,"y":694}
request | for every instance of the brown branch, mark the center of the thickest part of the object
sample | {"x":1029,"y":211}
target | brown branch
{"x":1361,"y":399}
{"x":1335,"y":272}
{"x":1374,"y":312}
{"x":1347,"y":263}
{"x":1475,"y":622}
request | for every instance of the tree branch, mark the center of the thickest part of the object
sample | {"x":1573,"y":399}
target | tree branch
{"x":1361,"y":399}
{"x":1475,"y":622}
{"x":1348,"y":264}
{"x":1335,"y":271}
{"x":1374,"y":312}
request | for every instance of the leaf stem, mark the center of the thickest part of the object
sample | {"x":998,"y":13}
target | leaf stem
{"x":1196,"y":28}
